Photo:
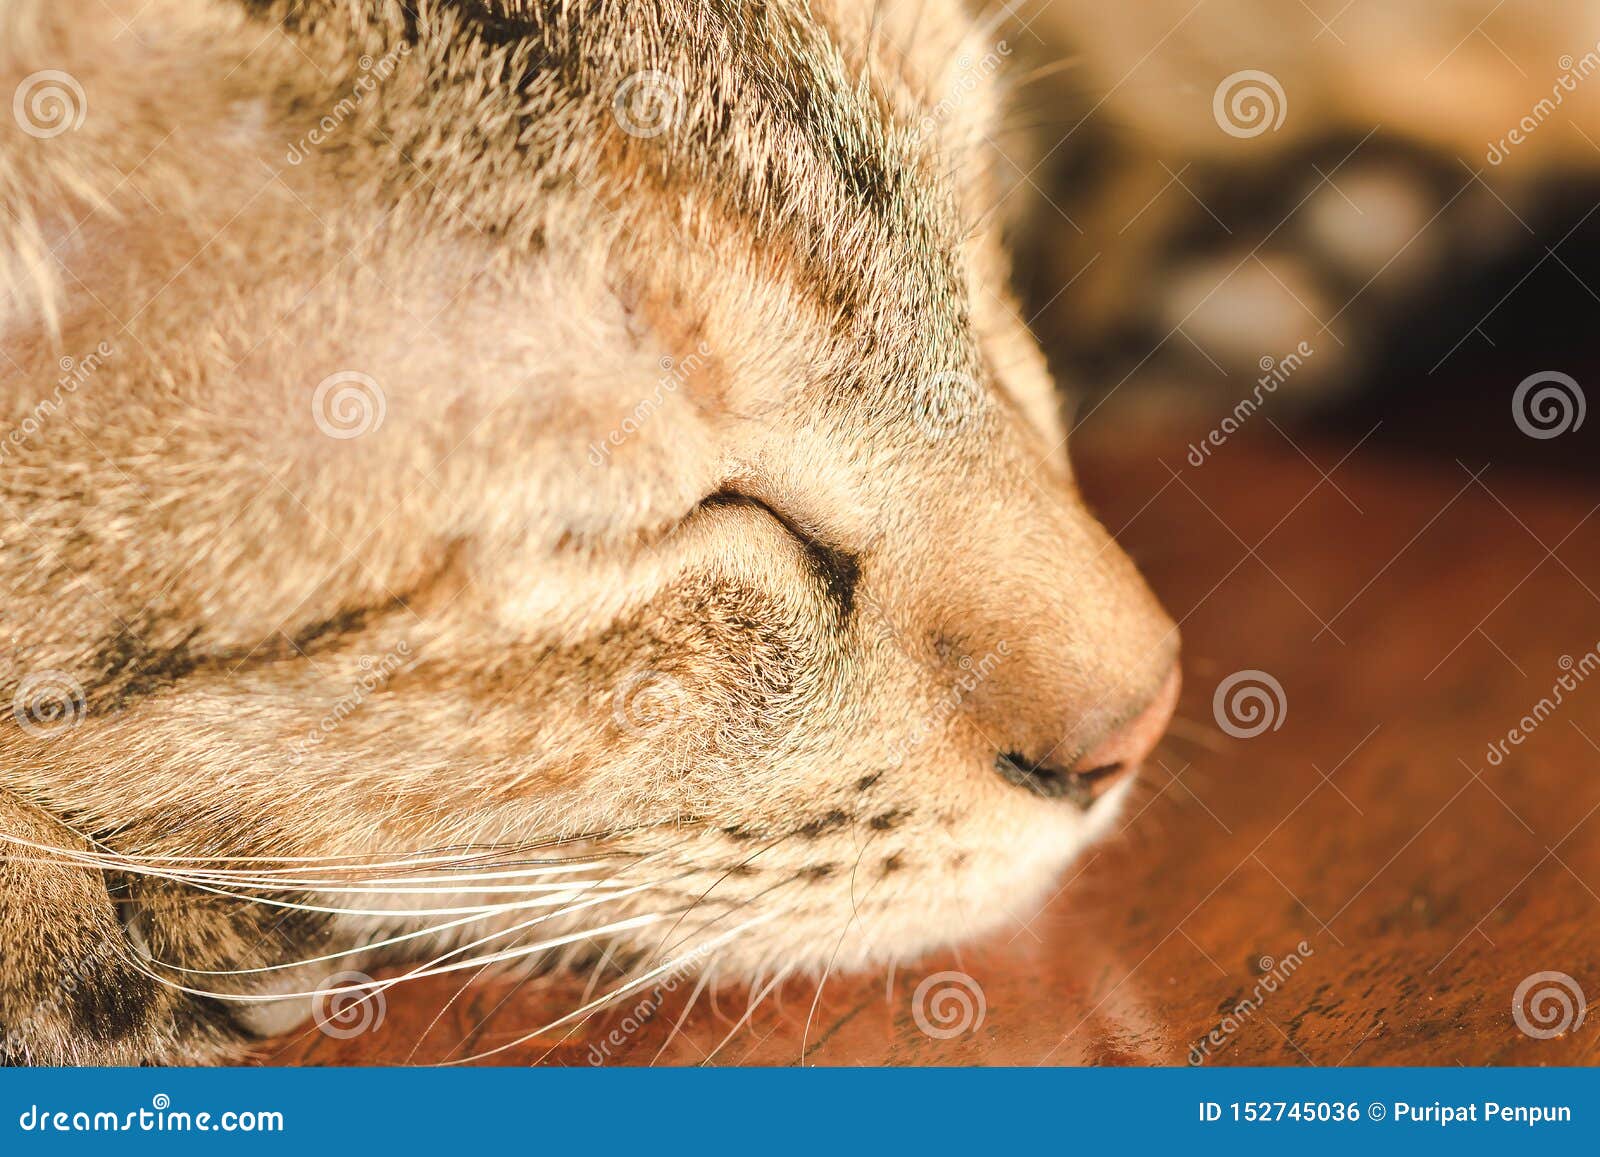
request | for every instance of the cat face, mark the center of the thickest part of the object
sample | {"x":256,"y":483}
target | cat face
{"x":508,"y":430}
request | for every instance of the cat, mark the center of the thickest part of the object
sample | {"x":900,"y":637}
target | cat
{"x":1244,"y":198}
{"x":490,"y":482}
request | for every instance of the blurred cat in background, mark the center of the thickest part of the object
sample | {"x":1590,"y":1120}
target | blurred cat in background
{"x":1244,"y":189}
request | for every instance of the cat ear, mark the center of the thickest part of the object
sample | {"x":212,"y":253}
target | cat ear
{"x":71,"y":989}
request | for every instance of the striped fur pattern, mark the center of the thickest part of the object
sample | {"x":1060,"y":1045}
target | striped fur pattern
{"x":493,"y":483}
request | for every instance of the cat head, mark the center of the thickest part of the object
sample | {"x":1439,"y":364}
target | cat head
{"x":604,"y":424}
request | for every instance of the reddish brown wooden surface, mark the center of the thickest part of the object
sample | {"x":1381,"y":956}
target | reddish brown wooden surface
{"x":1412,"y":613}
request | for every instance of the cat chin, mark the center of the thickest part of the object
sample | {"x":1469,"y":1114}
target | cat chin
{"x":970,"y":902}
{"x":966,"y":896}
{"x":1107,"y":818}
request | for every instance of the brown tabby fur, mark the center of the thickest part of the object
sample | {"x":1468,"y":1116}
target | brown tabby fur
{"x":757,"y":663}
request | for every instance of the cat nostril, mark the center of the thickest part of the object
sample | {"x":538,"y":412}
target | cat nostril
{"x":1078,"y":787}
{"x":1107,"y":763}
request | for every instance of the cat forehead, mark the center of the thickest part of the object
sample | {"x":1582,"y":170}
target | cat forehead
{"x":830,"y":138}
{"x":806,"y":121}
{"x":765,"y":191}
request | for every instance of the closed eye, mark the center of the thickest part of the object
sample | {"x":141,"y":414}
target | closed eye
{"x":837,"y":570}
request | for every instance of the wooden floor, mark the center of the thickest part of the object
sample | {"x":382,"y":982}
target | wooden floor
{"x":1361,"y":875}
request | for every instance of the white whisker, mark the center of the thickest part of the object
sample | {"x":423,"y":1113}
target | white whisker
{"x":375,"y":986}
{"x":171,"y":864}
{"x":265,"y":877}
{"x":433,"y":930}
{"x":621,"y":990}
{"x":694,"y":997}
{"x":748,"y":1013}
{"x":188,"y":881}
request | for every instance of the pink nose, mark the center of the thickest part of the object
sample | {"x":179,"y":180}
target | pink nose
{"x":1117,"y":756}
{"x":1132,"y":743}
{"x":1109,"y":762}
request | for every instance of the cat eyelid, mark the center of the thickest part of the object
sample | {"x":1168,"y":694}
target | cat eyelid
{"x":732,"y":495}
{"x":837,"y":569}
